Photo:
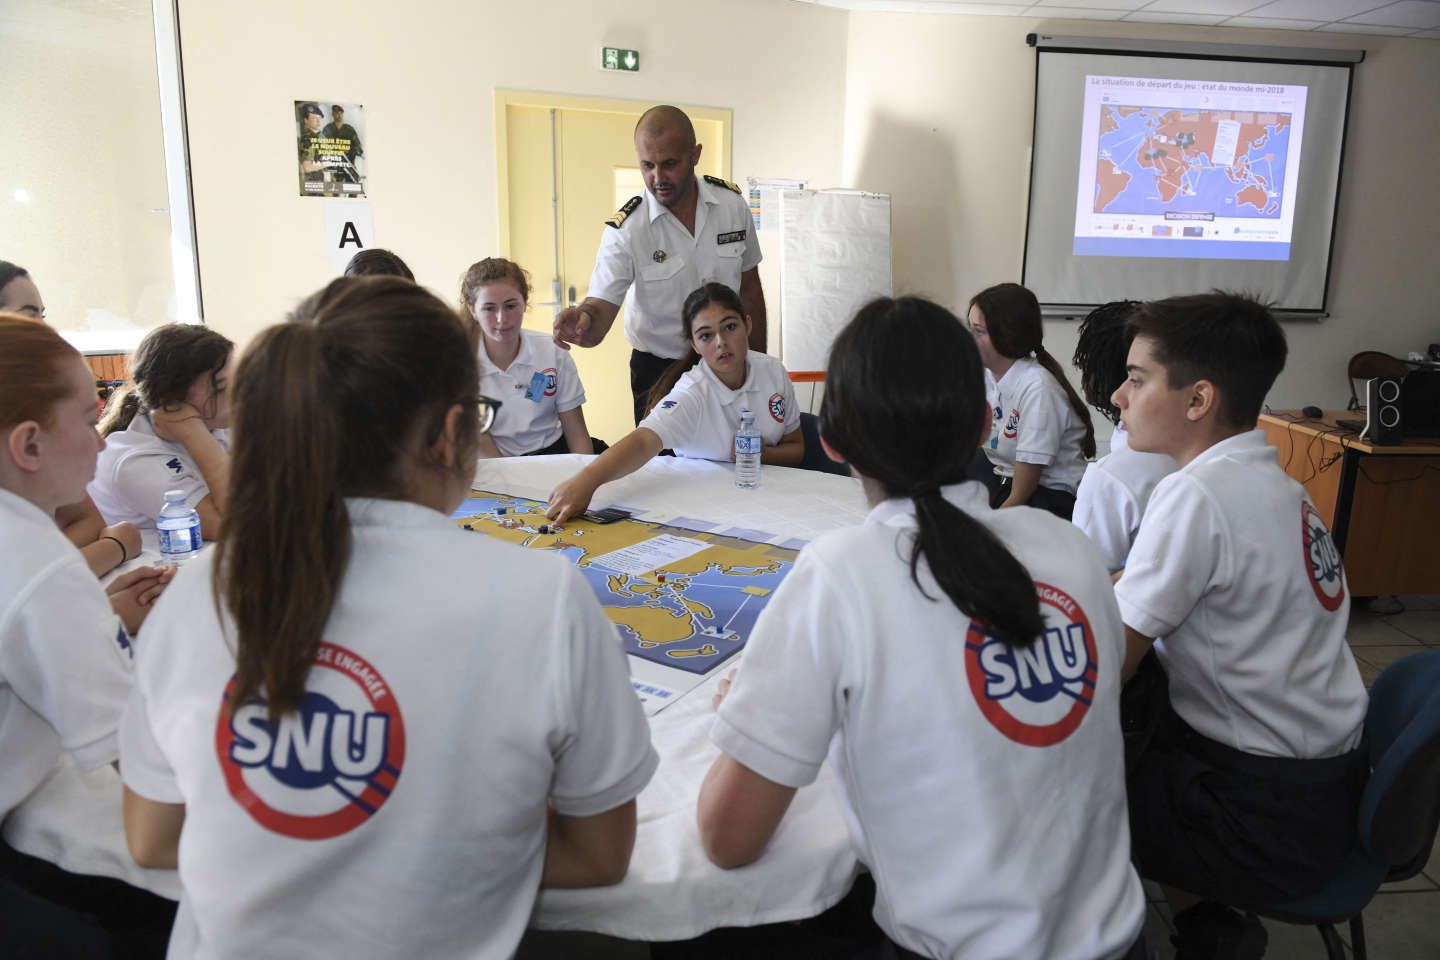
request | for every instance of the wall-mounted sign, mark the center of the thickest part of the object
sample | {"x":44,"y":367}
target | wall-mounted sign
{"x":616,"y":58}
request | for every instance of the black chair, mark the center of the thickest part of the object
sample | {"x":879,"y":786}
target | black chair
{"x":1372,"y":363}
{"x":1399,"y":810}
{"x":815,"y":458}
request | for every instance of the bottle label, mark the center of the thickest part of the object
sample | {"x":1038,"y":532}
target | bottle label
{"x":744,"y":444}
{"x":183,"y":540}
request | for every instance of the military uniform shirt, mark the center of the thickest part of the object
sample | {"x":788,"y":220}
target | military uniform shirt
{"x":653,"y":257}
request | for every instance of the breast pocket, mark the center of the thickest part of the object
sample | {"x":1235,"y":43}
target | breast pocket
{"x":663,"y":286}
{"x":728,"y":259}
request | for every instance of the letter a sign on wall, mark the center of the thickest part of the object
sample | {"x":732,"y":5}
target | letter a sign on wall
{"x":349,"y":228}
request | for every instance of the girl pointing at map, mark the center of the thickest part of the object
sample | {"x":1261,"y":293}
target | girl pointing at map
{"x":965,"y":664}
{"x":695,"y":407}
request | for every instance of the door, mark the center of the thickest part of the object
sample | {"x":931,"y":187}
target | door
{"x":565,"y":165}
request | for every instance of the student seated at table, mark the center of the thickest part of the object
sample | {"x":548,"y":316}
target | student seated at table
{"x":1042,"y":434}
{"x":695,"y":407}
{"x":65,"y":646}
{"x":1246,"y":794}
{"x":964,"y":663}
{"x":104,"y":547}
{"x":167,"y":430}
{"x":1114,"y":490}
{"x":365,"y":758}
{"x":539,"y":389}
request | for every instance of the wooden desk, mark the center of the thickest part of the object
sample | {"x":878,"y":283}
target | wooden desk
{"x":1382,"y":503}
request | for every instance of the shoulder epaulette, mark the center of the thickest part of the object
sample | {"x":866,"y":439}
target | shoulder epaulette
{"x":624,"y":212}
{"x":723,"y":183}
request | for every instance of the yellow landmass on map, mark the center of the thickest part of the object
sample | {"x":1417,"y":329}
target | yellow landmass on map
{"x":653,"y":625}
{"x":756,"y":591}
{"x":698,"y":608}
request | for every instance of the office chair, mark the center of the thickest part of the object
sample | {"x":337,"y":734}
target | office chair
{"x":1399,"y":810}
{"x":1372,"y":363}
{"x":815,"y":458}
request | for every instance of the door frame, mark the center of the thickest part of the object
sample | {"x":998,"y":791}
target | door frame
{"x":505,"y":98}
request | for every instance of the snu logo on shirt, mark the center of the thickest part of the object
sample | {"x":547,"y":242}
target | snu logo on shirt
{"x":1012,"y":424}
{"x":1322,"y":559}
{"x":777,"y":407}
{"x":325,"y":768}
{"x":1036,"y":695}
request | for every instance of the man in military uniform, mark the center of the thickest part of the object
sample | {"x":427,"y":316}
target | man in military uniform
{"x":683,"y":232}
{"x":347,"y":141}
{"x":312,"y":169}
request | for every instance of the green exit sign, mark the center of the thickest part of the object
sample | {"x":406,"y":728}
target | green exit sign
{"x":614,"y":58}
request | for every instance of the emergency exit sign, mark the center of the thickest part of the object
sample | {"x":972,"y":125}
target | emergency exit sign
{"x":614,"y":58}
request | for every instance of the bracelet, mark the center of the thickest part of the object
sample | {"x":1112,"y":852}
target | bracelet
{"x":123,"y":554}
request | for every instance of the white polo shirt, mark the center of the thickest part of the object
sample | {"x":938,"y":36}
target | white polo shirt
{"x":984,"y":787}
{"x":660,"y":263}
{"x":699,"y":416}
{"x":1112,"y":496}
{"x":1033,"y":423}
{"x":135,"y":470}
{"x":1235,"y":570}
{"x":65,"y":668}
{"x":403,"y":810}
{"x":540,"y":384}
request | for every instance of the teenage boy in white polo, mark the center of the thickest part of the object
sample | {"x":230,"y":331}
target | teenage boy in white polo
{"x":1247,"y":793}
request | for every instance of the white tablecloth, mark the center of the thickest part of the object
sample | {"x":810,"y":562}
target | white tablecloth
{"x":672,"y":891}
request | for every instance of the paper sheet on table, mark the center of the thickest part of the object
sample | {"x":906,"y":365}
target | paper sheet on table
{"x":649,"y":554}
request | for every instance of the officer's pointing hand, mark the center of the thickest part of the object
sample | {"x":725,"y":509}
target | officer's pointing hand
{"x":572,"y":325}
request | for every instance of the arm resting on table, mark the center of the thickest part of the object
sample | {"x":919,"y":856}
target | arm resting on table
{"x":589,"y":851}
{"x":739,"y":811}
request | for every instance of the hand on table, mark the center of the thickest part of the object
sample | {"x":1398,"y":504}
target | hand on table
{"x":570,"y":498}
{"x":726,"y":682}
{"x":134,"y":592}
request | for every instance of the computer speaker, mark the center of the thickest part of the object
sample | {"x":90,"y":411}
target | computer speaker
{"x":1382,"y":410}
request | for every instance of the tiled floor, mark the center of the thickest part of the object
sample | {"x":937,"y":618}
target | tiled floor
{"x":1403,"y":921}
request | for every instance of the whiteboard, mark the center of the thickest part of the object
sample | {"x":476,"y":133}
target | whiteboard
{"x":834,"y":258}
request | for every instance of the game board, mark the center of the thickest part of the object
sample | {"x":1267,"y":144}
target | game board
{"x":680,"y":598}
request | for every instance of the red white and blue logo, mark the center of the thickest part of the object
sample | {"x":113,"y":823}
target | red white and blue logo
{"x":1322,"y":559}
{"x":549,"y":374}
{"x":777,"y":407}
{"x":324,"y":769}
{"x":1036,"y":695}
{"x":1012,"y":424}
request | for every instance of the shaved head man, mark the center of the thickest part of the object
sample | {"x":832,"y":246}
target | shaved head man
{"x":683,"y":232}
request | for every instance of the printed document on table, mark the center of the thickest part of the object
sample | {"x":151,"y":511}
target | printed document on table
{"x":649,"y":554}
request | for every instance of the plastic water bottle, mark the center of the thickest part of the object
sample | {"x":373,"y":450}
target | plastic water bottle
{"x":747,"y":452}
{"x":179,"y":527}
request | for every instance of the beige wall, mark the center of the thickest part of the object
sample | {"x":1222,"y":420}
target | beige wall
{"x":426,"y":76}
{"x":81,"y":120}
{"x":935,"y":110}
{"x":938,"y":112}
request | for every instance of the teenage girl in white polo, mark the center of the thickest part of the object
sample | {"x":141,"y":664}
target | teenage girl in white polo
{"x":964,"y":663}
{"x":65,"y":646}
{"x":535,"y":381}
{"x":365,"y":731}
{"x":166,"y":430}
{"x":1042,"y":434}
{"x":695,"y":407}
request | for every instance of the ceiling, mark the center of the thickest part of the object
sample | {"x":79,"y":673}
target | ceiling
{"x":1412,"y":18}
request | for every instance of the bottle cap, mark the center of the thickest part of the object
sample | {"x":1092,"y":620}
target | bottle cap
{"x":174,"y":495}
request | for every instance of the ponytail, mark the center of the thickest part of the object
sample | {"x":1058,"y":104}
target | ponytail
{"x":326,"y":407}
{"x":1082,"y":412}
{"x":120,"y":409}
{"x":285,"y":465}
{"x":912,"y":363}
{"x":670,"y":377}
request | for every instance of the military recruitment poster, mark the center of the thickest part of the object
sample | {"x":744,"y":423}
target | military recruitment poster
{"x":331,"y":140}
